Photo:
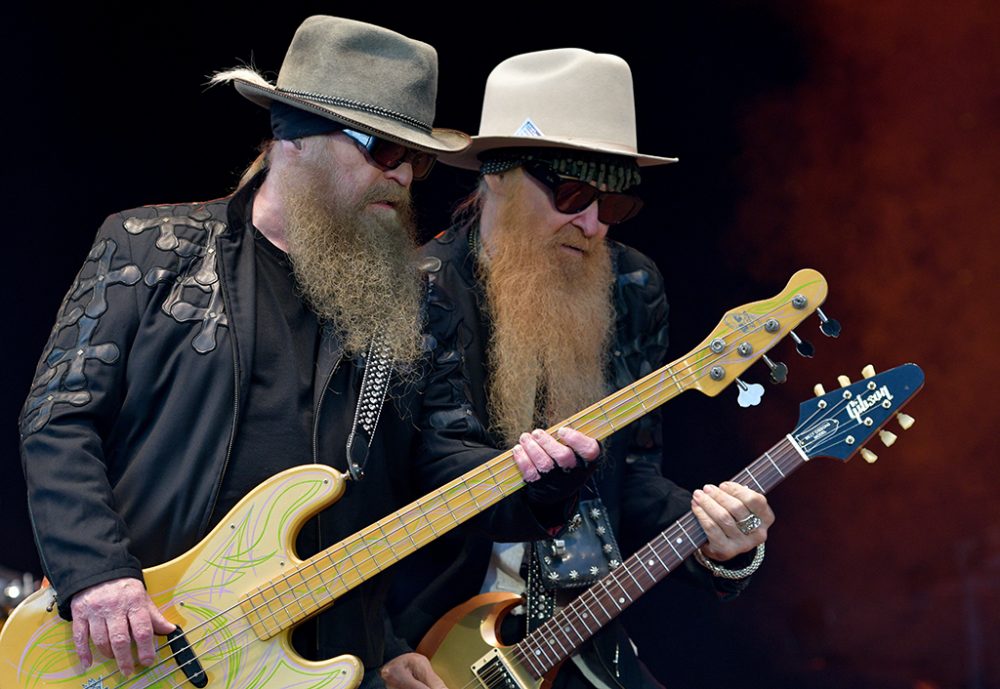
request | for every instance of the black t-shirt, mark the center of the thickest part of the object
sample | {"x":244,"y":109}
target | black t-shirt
{"x":276,"y":417}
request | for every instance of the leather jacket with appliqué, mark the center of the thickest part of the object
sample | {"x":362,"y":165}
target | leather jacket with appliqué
{"x":131,"y":416}
{"x":640,"y":501}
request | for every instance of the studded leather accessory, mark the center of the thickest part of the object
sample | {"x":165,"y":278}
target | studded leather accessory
{"x":584,"y":552}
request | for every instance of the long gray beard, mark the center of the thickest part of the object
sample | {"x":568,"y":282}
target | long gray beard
{"x":358,"y":271}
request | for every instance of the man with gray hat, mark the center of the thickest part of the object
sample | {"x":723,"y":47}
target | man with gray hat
{"x":552,"y":316}
{"x":207,"y":346}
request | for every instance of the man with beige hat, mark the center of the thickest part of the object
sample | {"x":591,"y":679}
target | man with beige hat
{"x":205,"y":347}
{"x":551,"y":317}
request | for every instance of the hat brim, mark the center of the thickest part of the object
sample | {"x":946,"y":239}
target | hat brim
{"x":469,"y":158}
{"x":437,"y":140}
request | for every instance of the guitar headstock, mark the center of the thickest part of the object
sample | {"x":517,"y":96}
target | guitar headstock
{"x":746,"y":333}
{"x":837,"y":424}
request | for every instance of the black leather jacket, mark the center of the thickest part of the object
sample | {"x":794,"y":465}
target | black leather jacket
{"x":640,"y":501}
{"x":128,"y":427}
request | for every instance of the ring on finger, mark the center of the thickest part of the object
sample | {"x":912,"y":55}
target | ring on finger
{"x":748,"y":523}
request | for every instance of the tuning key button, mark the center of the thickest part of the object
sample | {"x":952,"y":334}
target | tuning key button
{"x":868,"y":371}
{"x":803,"y":347}
{"x":905,"y":421}
{"x":868,"y":455}
{"x":749,"y":395}
{"x":844,"y":381}
{"x":779,"y":372}
{"x":887,"y":438}
{"x":829,"y":326}
{"x":819,"y":390}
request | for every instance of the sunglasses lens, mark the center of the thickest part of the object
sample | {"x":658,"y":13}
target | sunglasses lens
{"x":388,"y":154}
{"x":422,"y":163}
{"x":573,"y":196}
{"x":391,"y":155}
{"x":617,"y":208}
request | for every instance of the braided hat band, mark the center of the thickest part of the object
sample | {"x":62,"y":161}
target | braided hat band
{"x":610,"y":172}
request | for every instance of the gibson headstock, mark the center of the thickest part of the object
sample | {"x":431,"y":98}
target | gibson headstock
{"x":837,"y":424}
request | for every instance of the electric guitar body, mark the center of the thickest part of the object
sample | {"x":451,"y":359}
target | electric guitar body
{"x":468,"y":636}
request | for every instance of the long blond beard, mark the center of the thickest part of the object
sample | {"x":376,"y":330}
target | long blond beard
{"x":552,"y":323}
{"x":356,"y":268}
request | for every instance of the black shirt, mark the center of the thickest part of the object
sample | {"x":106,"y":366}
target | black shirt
{"x":276,"y":418}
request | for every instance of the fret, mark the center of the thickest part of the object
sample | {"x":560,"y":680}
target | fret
{"x":643,"y":565}
{"x":565,"y":652}
{"x":597,"y":599}
{"x":619,"y":601}
{"x":303,"y":585}
{"x":657,"y":555}
{"x":768,"y":455}
{"x":760,"y":488}
{"x":540,"y":652}
{"x":569,"y":623}
{"x":628,"y":571}
{"x":673,"y":377}
{"x":534,"y":655}
{"x":693,"y":544}
{"x":587,"y":617}
{"x":679,"y":541}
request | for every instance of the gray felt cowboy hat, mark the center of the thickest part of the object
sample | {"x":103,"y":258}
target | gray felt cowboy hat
{"x":360,"y":75}
{"x":564,"y":98}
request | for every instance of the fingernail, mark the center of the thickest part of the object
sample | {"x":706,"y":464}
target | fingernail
{"x":537,"y":433}
{"x":523,"y":437}
{"x":517,"y":450}
{"x":709,"y":487}
{"x":561,"y":432}
{"x":697,"y":494}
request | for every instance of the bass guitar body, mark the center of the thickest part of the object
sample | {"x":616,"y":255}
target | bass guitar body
{"x":207,"y":593}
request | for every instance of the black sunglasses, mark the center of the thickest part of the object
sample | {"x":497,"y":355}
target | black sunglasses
{"x":389,"y":155}
{"x":573,"y":195}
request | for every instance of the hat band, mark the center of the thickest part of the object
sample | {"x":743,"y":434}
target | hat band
{"x":358,"y":105}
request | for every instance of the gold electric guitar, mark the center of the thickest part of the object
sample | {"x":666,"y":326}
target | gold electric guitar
{"x":464,"y":645}
{"x":237,"y":594}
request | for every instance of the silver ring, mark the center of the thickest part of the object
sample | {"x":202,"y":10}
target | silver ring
{"x":748,"y":523}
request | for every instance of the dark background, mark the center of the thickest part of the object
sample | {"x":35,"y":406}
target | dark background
{"x":860,"y":139}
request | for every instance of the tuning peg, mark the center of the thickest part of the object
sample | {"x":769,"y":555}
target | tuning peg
{"x":905,"y":421}
{"x":819,"y":390}
{"x":868,"y":455}
{"x":749,"y":395}
{"x":802,"y":346}
{"x":844,"y":381}
{"x":868,"y":371}
{"x":828,"y":326}
{"x":887,"y":437}
{"x":779,"y":372}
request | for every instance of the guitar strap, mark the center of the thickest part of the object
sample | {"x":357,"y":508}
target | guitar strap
{"x":371,"y":399}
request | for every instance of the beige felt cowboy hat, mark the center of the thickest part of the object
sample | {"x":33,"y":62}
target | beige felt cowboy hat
{"x":565,"y":98}
{"x":361,"y":75}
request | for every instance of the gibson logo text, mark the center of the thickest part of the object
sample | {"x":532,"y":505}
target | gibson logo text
{"x":860,"y":404}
